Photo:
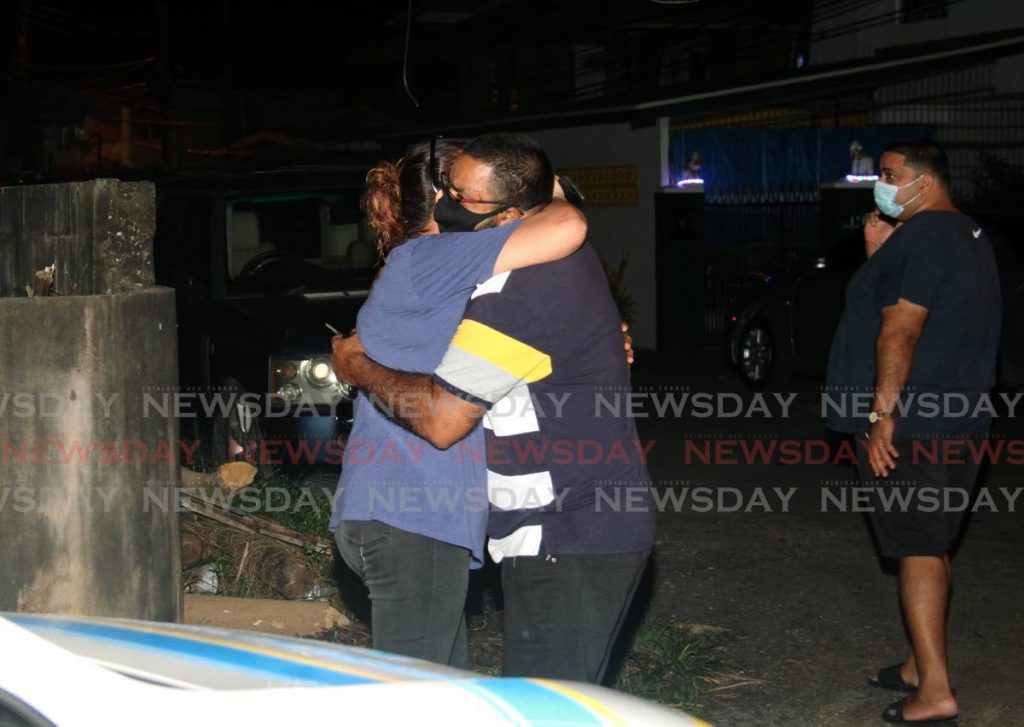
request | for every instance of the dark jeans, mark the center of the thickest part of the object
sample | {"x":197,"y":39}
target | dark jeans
{"x":417,"y":590}
{"x":563,"y":613}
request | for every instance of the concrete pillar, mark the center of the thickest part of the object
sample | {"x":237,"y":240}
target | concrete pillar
{"x":88,"y":470}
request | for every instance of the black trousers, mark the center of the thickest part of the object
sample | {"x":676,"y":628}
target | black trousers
{"x":417,"y":590}
{"x":563,"y":613}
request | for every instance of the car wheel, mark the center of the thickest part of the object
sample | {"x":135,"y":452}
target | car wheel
{"x":756,"y":354}
{"x":235,"y":434}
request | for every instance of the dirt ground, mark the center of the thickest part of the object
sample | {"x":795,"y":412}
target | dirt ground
{"x":268,"y":615}
{"x":809,"y":607}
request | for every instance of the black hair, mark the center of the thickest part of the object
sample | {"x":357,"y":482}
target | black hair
{"x":520,"y":168}
{"x":924,"y":156}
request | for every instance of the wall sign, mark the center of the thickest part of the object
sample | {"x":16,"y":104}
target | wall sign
{"x":606,"y":186}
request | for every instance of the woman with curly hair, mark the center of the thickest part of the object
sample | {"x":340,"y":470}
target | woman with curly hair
{"x":410,"y":519}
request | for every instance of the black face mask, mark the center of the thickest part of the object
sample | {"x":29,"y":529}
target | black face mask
{"x":454,"y":217}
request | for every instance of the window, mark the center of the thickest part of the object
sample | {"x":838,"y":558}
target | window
{"x":913,"y":10}
{"x":324,"y":229}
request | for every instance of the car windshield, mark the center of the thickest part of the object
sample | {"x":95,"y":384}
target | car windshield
{"x":297,"y":238}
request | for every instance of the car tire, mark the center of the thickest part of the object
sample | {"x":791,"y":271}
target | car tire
{"x":757,"y":354}
{"x":236,"y":435}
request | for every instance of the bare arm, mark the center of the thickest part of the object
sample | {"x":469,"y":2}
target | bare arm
{"x":902,"y":325}
{"x":412,"y":400}
{"x":553,"y":233}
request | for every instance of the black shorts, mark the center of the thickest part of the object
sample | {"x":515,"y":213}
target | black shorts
{"x":920,"y":508}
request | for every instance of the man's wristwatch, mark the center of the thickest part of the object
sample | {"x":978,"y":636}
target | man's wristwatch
{"x":878,"y":414}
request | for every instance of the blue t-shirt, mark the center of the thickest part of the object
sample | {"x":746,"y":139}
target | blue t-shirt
{"x":943,"y":261}
{"x":389,"y":474}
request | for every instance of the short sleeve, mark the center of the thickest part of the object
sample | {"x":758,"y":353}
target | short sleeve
{"x":499,"y":345}
{"x":917,"y":273}
{"x":448,"y":266}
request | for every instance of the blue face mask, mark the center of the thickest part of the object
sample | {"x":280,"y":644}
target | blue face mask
{"x":885,"y":197}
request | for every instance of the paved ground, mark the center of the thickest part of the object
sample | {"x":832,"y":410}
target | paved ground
{"x":810,"y":610}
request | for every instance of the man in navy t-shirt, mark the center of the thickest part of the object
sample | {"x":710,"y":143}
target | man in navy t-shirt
{"x":911,"y":365}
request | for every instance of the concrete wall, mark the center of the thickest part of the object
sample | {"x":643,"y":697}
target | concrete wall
{"x":98,"y":233}
{"x":615,"y":230}
{"x":85,"y":471}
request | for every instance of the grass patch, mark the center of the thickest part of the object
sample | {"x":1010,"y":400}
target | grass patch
{"x":291,"y":503}
{"x":666,"y":663}
{"x":669,"y":664}
{"x":349,"y":636}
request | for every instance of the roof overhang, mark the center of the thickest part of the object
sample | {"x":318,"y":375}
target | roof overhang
{"x":808,"y":83}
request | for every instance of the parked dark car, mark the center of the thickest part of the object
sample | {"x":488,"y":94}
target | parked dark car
{"x":260,"y":263}
{"x":785,"y":323}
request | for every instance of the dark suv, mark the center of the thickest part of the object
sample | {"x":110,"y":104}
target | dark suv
{"x":261,"y":262}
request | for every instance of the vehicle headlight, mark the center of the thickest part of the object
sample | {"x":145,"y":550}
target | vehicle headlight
{"x":297,"y":379}
{"x":290,"y":392}
{"x":319,"y":373}
{"x":286,"y":370}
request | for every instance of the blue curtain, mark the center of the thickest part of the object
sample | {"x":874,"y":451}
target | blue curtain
{"x":783,"y":163}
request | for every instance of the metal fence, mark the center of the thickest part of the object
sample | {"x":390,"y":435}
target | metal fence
{"x":982,"y":131}
{"x":742,"y":236}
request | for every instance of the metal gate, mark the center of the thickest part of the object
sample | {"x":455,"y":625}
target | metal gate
{"x":751,"y":235}
{"x":981,"y":130}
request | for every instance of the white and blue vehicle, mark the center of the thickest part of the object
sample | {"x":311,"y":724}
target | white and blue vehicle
{"x":69,"y":671}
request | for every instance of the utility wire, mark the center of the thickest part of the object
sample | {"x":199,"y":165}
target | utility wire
{"x":405,"y":56}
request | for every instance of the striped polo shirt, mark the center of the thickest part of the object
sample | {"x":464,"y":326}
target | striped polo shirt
{"x":541,"y":350}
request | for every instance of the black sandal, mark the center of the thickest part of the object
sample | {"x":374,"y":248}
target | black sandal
{"x":889,"y":678}
{"x":894,"y":715}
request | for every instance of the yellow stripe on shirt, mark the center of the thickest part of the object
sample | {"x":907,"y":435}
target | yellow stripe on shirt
{"x":515,"y":357}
